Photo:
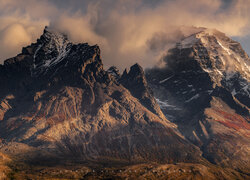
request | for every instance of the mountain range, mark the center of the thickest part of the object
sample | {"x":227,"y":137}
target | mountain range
{"x":188,"y":118}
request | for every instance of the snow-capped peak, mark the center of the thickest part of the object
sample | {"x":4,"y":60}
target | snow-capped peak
{"x":219,"y":56}
{"x":52,"y":48}
{"x":54,"y":38}
{"x":197,"y":37}
{"x":228,"y":56}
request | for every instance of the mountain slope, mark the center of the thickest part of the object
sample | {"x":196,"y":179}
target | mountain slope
{"x":204,"y":89}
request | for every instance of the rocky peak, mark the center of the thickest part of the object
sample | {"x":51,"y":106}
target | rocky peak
{"x":51,"y":37}
{"x":205,"y":60}
{"x":204,"y":88}
{"x":50,"y":49}
{"x":136,"y":70}
{"x":217,"y":54}
{"x":54,"y":53}
{"x":136,"y":82}
{"x":135,"y":75}
{"x":52,"y":61}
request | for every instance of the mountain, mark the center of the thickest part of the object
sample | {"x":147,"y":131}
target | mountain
{"x":59,"y":103}
{"x":62,"y":115}
{"x":204,"y":88}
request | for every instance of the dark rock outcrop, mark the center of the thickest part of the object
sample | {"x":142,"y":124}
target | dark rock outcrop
{"x":135,"y":81}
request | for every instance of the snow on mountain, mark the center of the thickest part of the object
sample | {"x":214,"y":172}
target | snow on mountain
{"x":192,"y":98}
{"x":164,"y":80}
{"x":221,"y":57}
{"x":165,"y":104}
{"x":52,"y":49}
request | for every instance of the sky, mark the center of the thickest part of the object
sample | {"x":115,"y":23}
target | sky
{"x":127,"y":31}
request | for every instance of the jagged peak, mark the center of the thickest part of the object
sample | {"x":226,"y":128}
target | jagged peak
{"x":53,"y":38}
{"x":52,"y":33}
{"x":136,"y":69}
{"x":53,"y":52}
{"x":52,"y":47}
{"x":135,"y":74}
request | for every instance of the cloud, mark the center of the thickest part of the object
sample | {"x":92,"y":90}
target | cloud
{"x":13,"y":37}
{"x":127,"y":31}
{"x":16,"y":32}
{"x":18,"y":27}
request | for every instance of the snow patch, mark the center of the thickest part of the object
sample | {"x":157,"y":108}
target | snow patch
{"x":210,"y":91}
{"x":56,"y":47}
{"x":164,"y":80}
{"x":192,"y":98}
{"x":62,"y":54}
{"x":246,"y":89}
{"x":164,"y":105}
{"x":226,"y":49}
{"x":234,"y":92}
{"x":34,"y":57}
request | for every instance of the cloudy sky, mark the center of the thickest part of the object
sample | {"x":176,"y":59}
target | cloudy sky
{"x":127,"y":31}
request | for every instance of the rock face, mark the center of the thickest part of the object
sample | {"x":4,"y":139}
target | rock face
{"x":59,"y":102}
{"x":204,"y":89}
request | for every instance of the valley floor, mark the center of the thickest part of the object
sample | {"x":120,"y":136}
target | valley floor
{"x":142,"y":171}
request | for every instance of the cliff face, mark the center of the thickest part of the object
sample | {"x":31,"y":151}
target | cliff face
{"x":59,"y":102}
{"x":204,"y":89}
